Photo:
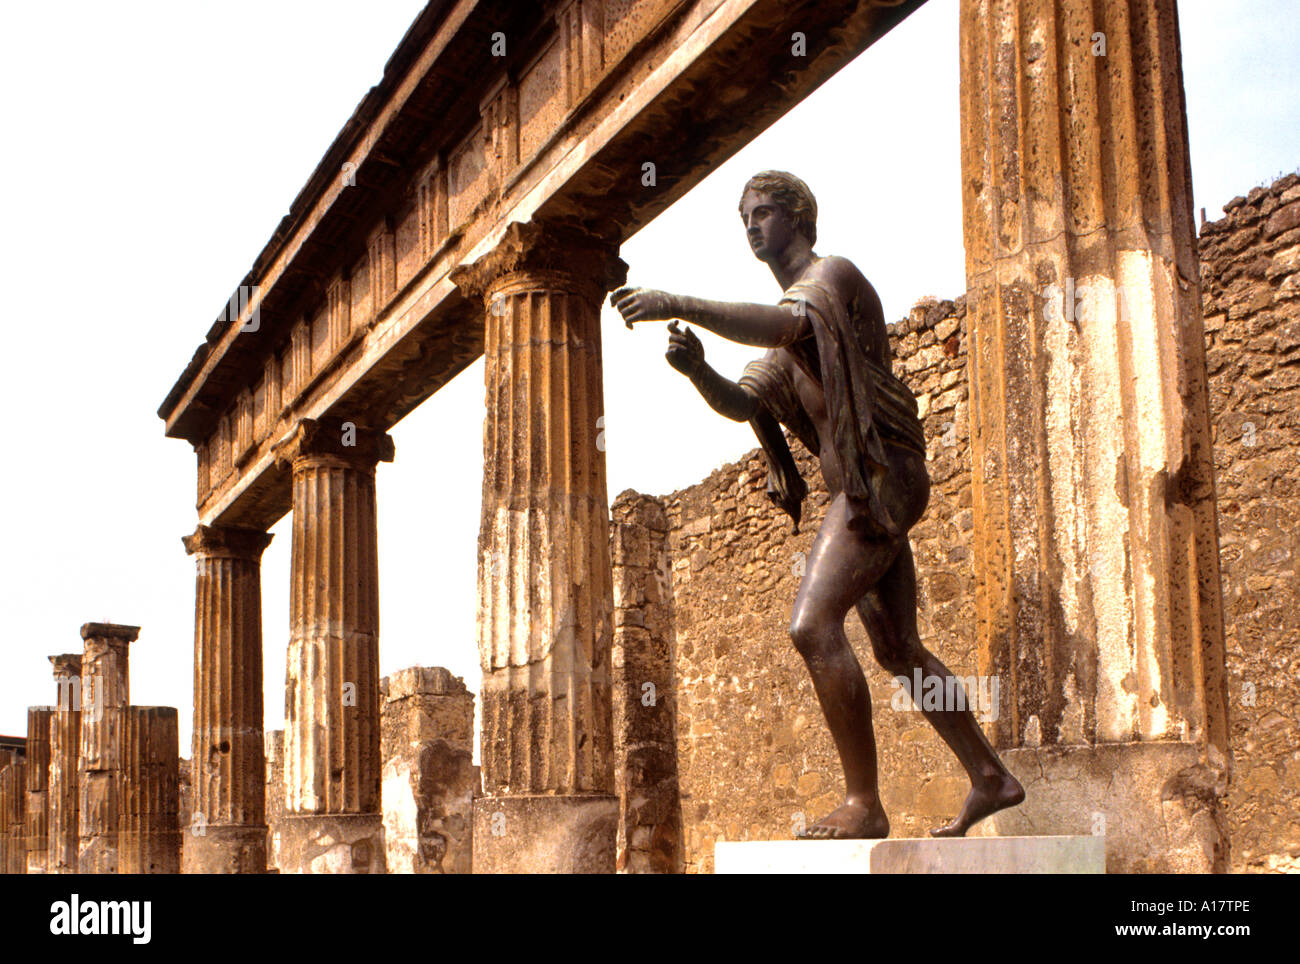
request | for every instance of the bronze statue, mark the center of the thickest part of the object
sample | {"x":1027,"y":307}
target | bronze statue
{"x":827,"y":377}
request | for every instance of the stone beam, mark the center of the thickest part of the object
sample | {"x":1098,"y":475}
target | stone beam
{"x":355,"y":311}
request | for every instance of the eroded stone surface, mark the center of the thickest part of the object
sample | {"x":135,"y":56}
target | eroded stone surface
{"x":429,"y":780}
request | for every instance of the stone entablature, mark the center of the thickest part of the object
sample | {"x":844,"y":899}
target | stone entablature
{"x":353,"y":310}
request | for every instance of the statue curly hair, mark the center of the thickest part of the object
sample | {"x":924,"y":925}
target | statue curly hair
{"x":792,"y":195}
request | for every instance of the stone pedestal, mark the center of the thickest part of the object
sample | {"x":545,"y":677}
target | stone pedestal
{"x":38,"y":787}
{"x":429,"y":781}
{"x":544,"y":571}
{"x":1098,"y":603}
{"x":229,"y":767}
{"x":331,"y":739}
{"x":991,"y":855}
{"x":65,"y":743}
{"x":105,"y":694}
{"x":1155,"y":803}
{"x":149,"y":839}
{"x":532,"y":834}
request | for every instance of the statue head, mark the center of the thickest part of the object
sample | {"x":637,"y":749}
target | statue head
{"x":794,"y":212}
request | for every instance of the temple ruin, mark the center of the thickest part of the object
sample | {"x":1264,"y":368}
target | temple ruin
{"x":475,"y":204}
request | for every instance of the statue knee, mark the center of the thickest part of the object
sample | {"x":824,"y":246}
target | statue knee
{"x":897,"y":656}
{"x":809,"y":634}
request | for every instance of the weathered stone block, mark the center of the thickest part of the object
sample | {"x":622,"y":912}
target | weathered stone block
{"x":533,"y":834}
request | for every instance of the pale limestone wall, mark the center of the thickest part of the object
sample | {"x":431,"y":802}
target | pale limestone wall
{"x":1250,"y":271}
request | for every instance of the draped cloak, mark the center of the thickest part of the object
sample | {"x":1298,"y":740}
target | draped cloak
{"x":865,"y":404}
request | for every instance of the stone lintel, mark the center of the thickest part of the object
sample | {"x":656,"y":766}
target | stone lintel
{"x":229,"y":541}
{"x":910,"y":855}
{"x":563,"y":256}
{"x":545,"y":834}
{"x":334,"y":437}
{"x":110,"y":631}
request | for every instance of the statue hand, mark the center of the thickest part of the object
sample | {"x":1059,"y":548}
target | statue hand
{"x":644,"y":304}
{"x":685,"y":353}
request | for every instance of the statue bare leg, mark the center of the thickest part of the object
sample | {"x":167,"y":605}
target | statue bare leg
{"x":888,"y":611}
{"x":842,"y":566}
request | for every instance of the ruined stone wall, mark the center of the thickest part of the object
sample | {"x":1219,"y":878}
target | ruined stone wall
{"x":1250,"y":277}
{"x":429,"y":778}
{"x":755,"y":758}
{"x":645,"y":708}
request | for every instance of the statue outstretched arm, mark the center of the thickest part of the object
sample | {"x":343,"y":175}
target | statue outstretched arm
{"x":727,"y":398}
{"x":766,"y":326}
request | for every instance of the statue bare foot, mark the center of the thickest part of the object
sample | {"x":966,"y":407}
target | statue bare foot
{"x":849,"y":821}
{"x":985,"y":798}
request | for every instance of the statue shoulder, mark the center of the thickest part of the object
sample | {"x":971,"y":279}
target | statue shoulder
{"x":839,"y":271}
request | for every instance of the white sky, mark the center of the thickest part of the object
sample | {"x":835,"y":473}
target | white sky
{"x":150,"y":149}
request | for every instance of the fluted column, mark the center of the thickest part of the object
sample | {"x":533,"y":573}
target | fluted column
{"x":38,"y":787}
{"x":105,"y":694}
{"x":65,"y":746}
{"x":544,"y":618}
{"x":13,"y":800}
{"x":149,"y":840}
{"x":226,"y":832}
{"x":333,"y":821}
{"x":1098,"y":599}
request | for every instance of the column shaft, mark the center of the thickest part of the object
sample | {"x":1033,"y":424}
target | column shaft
{"x":65,"y":743}
{"x":227,"y":828}
{"x":331,"y":741}
{"x":105,"y":694}
{"x":13,"y":800}
{"x":38,"y":787}
{"x":544,"y":570}
{"x":1098,"y":603}
{"x":149,"y":792}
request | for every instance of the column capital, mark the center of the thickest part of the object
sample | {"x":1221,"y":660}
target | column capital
{"x":127,"y":634}
{"x":66,"y":664}
{"x":541,"y":254}
{"x":227,"y":541}
{"x":332,"y":437}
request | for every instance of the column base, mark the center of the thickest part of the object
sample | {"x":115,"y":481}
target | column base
{"x":149,"y":852}
{"x":97,"y":855}
{"x":537,"y":834}
{"x":224,"y":849}
{"x":331,"y":843}
{"x":1157,"y":804}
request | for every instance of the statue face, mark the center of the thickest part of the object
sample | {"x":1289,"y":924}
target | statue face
{"x":769,"y":229}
